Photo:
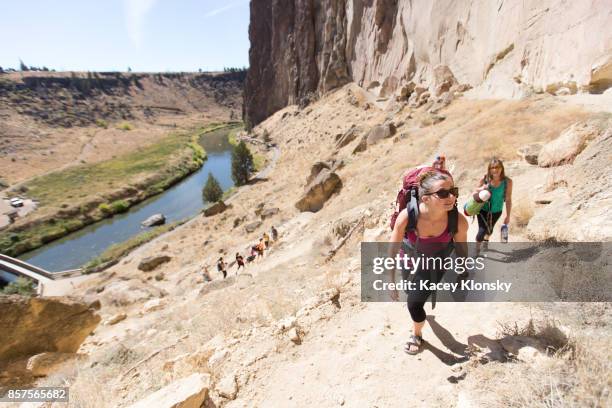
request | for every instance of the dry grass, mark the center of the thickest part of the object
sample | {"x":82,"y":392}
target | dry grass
{"x":576,"y":373}
{"x":522,"y":211}
{"x":499,"y":128}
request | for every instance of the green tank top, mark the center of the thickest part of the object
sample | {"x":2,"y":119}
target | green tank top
{"x":496,"y":202}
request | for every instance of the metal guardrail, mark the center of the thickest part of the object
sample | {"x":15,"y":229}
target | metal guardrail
{"x":40,"y":271}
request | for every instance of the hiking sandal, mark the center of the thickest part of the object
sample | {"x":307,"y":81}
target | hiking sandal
{"x":413,"y":340}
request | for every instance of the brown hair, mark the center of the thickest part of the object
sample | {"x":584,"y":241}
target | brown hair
{"x":429,"y":178}
{"x":494,"y":162}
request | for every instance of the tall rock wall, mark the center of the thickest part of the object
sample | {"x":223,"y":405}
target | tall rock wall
{"x":502,"y":48}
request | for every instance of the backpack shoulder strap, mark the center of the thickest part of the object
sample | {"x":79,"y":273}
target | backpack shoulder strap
{"x":412,"y":208}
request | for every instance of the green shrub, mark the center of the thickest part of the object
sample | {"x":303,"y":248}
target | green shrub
{"x":21,"y":286}
{"x":105,"y":208}
{"x":119,"y":206}
{"x":212,"y":191}
{"x":242,"y":164}
{"x":125,"y":126}
{"x":102,"y":123}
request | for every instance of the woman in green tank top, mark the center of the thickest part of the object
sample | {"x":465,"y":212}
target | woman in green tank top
{"x":500,"y":187}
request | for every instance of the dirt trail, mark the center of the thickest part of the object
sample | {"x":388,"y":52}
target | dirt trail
{"x":355,"y":357}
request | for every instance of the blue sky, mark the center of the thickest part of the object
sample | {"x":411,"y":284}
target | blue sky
{"x":111,"y":35}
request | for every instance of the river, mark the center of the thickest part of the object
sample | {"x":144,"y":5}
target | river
{"x":183,"y":200}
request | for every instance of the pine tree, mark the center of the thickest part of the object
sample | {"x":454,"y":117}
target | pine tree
{"x":242,"y":164}
{"x":22,"y":66}
{"x":212,"y":191}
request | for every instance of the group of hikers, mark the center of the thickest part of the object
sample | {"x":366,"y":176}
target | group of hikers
{"x":257,"y":252}
{"x":427,"y":221}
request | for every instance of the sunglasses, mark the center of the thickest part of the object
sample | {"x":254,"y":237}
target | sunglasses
{"x":444,"y":193}
{"x":495,"y":167}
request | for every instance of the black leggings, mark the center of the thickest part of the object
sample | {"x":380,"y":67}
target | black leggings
{"x":417,"y":298}
{"x":486,"y":218}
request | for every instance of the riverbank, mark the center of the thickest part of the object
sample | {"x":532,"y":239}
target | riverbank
{"x":116,"y":252}
{"x":73,"y":198}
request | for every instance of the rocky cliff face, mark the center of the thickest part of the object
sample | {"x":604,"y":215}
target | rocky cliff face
{"x":507,"y":49}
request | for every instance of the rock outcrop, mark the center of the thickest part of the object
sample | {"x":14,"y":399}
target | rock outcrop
{"x":156,"y":219}
{"x":300,"y":48}
{"x":584,"y":198}
{"x":214,"y":209}
{"x":568,"y":145}
{"x":325,"y":184}
{"x":189,"y":392}
{"x":150,"y":263}
{"x":37,"y":325}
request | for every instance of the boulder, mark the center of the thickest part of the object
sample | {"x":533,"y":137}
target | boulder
{"x":513,"y":344}
{"x":295,"y":335}
{"x":214,"y":209}
{"x":269,"y":212}
{"x":115,"y":319}
{"x":153,"y":305}
{"x":601,"y":74}
{"x":37,"y":325}
{"x":530,"y":152}
{"x":285,"y":324}
{"x":563,"y":91}
{"x":227,"y":387}
{"x":319,"y":191}
{"x":568,"y":145}
{"x":44,"y":364}
{"x":239,"y":220}
{"x":406,"y":90}
{"x":152,"y":262}
{"x":259,"y":208}
{"x":252,"y":226}
{"x":443,"y":79}
{"x":189,"y":392}
{"x":157,"y":219}
{"x":347,"y":137}
{"x":331,"y":165}
{"x":584,"y":202}
{"x":362,"y":145}
{"x":380,"y":132}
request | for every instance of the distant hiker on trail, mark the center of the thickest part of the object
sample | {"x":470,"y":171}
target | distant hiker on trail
{"x":440,"y":162}
{"x":259,"y":248}
{"x":206,"y":273}
{"x":274,"y":233}
{"x":500,"y":187}
{"x":221,"y":267}
{"x":239,"y":261}
{"x":266,"y":239}
{"x":428,"y":223}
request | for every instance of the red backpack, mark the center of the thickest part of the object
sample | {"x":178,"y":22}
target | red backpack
{"x":408,"y":197}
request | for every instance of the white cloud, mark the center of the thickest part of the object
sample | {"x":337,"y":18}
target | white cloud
{"x":135,"y":13}
{"x":221,"y":9}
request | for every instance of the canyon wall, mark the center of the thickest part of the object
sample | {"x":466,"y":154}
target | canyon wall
{"x":502,"y":48}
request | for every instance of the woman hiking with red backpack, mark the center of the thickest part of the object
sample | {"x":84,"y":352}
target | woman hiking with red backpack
{"x":430,"y":224}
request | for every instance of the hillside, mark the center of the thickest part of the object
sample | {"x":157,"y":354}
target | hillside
{"x":51,"y":119}
{"x":181,"y":325}
{"x":343,"y":97}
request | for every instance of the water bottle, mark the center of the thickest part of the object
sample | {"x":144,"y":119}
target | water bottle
{"x":504,"y":233}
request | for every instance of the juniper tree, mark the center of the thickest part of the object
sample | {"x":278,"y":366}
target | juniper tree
{"x":212,"y":191}
{"x":242,"y":164}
